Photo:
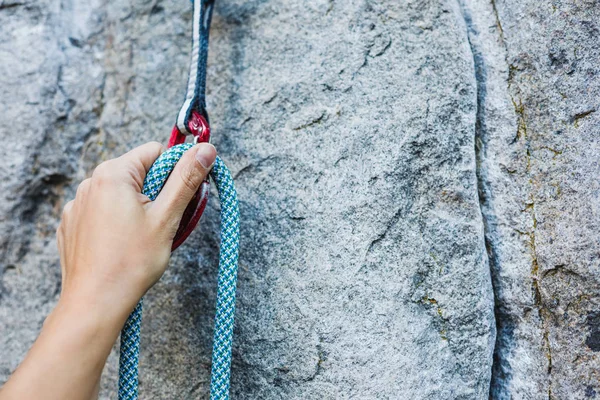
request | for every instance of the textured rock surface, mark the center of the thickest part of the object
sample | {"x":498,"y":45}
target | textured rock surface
{"x":539,"y":174}
{"x":379,"y":148}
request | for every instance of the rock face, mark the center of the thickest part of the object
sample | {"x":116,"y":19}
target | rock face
{"x":539,"y":151}
{"x":413,"y":176}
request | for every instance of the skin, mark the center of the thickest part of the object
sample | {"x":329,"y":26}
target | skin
{"x":114,"y":244}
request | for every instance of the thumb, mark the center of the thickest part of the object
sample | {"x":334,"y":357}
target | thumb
{"x":184,"y":181}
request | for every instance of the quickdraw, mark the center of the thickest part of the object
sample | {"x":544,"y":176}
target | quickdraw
{"x":193,"y":120}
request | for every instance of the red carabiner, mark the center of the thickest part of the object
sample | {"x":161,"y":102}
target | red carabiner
{"x":198,"y":126}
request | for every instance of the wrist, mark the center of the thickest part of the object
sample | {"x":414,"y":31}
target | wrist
{"x":91,"y":312}
{"x":109,"y":301}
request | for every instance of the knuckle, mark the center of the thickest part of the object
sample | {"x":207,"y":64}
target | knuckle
{"x":83,"y":188}
{"x":101,"y":170}
{"x":156,"y":145}
{"x":66,"y":210}
{"x":104,"y":173}
{"x":60,"y":233}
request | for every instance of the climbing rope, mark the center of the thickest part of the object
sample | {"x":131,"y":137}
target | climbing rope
{"x":226,"y":285}
{"x":192,"y":119}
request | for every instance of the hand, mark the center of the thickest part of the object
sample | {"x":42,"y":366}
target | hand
{"x":114,"y":244}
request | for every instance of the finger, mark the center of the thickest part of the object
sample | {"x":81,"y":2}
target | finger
{"x":184,"y":181}
{"x":61,"y":253}
{"x":145,"y":154}
{"x":139,"y":160}
{"x":83,"y":187}
{"x":67,"y":208}
{"x":59,"y":237}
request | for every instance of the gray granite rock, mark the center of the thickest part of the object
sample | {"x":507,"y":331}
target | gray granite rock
{"x":539,"y":152}
{"x":383,"y":152}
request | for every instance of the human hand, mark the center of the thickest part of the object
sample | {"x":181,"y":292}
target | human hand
{"x":115,"y":243}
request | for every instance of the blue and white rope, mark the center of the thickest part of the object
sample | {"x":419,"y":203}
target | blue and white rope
{"x":226,"y":286}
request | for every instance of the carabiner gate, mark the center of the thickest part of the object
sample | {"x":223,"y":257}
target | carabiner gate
{"x":198,"y":126}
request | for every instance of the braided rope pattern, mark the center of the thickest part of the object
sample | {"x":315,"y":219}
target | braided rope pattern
{"x":226,"y":286}
{"x":226,"y":283}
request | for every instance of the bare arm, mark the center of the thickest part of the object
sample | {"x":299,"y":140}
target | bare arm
{"x":114,"y":245}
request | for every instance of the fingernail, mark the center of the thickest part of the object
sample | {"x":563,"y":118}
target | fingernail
{"x":206,"y":155}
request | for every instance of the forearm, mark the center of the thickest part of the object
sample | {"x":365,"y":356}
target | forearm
{"x":114,"y":244}
{"x":67,"y":359}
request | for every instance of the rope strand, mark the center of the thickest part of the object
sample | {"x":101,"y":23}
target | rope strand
{"x":226,"y":285}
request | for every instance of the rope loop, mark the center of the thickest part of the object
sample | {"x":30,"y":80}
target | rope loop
{"x":193,"y":119}
{"x":226,"y":281}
